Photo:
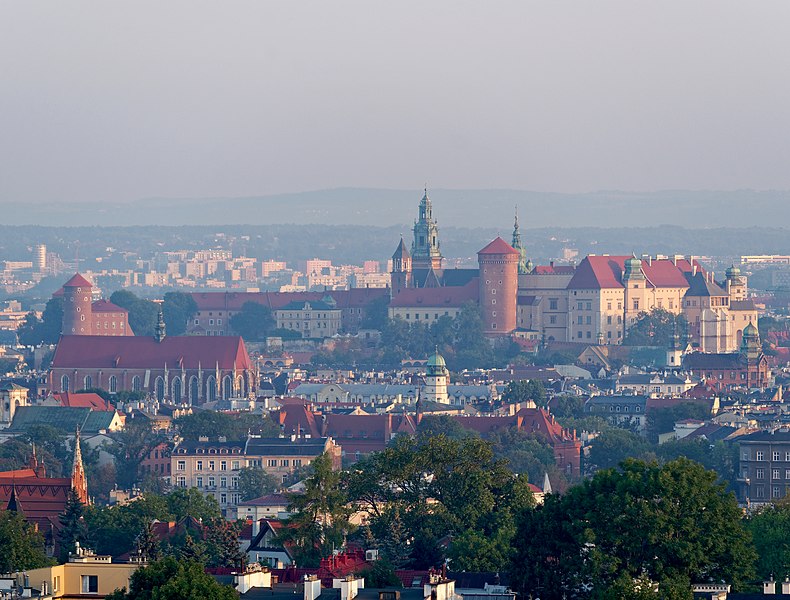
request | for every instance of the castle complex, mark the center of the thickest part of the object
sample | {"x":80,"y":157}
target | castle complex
{"x":592,"y":303}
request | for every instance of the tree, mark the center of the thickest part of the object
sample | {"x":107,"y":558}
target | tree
{"x":376,"y":313}
{"x":222,"y":540}
{"x":178,"y":308}
{"x":255,"y":482}
{"x":254,"y":322}
{"x":190,"y":502}
{"x":143,"y":314}
{"x":672,"y":523}
{"x":319,"y":522}
{"x":131,"y":447}
{"x":232,"y":427}
{"x":662,"y":420}
{"x":380,"y":574}
{"x":613,"y":446}
{"x":146,"y":544}
{"x":770,"y":529}
{"x":524,"y":391}
{"x":171,"y":579}
{"x":395,"y":547}
{"x":34,"y":332}
{"x":21,"y":545}
{"x":656,"y":328}
{"x":432,"y":425}
{"x":73,"y":529}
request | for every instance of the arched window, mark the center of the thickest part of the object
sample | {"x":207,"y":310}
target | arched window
{"x":113,"y":385}
{"x":87,"y":382}
{"x":227,"y":387}
{"x":240,"y":386}
{"x":160,"y":388}
{"x":64,"y":383}
{"x":136,"y":384}
{"x":211,"y":388}
{"x":176,"y":396}
{"x":193,"y":390}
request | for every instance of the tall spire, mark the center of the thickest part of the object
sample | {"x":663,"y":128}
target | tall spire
{"x":78,"y":481}
{"x":517,"y":245}
{"x":160,"y":331}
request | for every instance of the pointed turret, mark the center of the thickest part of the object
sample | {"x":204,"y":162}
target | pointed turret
{"x":79,"y":483}
{"x":13,"y":502}
{"x":518,"y":246}
{"x":160,"y":331}
{"x":400,"y":276}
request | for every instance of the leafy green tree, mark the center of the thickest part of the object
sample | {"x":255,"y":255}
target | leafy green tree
{"x":21,"y":545}
{"x":320,"y":520}
{"x":614,"y":446}
{"x":171,"y":579}
{"x":255,"y":482}
{"x":190,"y":502}
{"x":130,"y":447}
{"x":770,"y":529}
{"x":222,"y":541}
{"x":233,"y":427}
{"x":143,"y":314}
{"x":380,"y":574}
{"x":566,"y":406}
{"x":178,"y":308}
{"x":193,"y":550}
{"x":662,"y":420}
{"x":376,"y":314}
{"x":656,"y":328}
{"x":523,"y":391}
{"x":432,"y":425}
{"x":670,"y":523}
{"x":525,"y":453}
{"x":254,"y":322}
{"x":147,"y":544}
{"x":115,"y":528}
{"x":72,"y":526}
{"x":34,"y":332}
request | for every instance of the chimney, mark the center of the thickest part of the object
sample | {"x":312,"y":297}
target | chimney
{"x":769,"y":587}
{"x":693,"y":270}
{"x":786,"y":586}
{"x":349,"y":586}
{"x":312,"y":587}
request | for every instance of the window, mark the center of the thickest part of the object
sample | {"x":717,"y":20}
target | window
{"x":181,"y":481}
{"x":552,"y":303}
{"x":553,"y":319}
{"x":223,"y":498}
{"x":211,"y":321}
{"x":759,"y":492}
{"x":223,"y":465}
{"x":609,"y":320}
{"x":199,"y":465}
{"x":760,"y":455}
{"x":285,"y":462}
{"x":197,"y":321}
{"x":212,"y":482}
{"x":199,"y":481}
{"x":223,"y":482}
{"x":272,"y":462}
{"x":235,"y":465}
{"x":636,"y":303}
{"x":760,"y":474}
{"x":64,"y":383}
{"x":776,"y":456}
{"x":136,"y":386}
{"x":579,"y":320}
{"x":87,"y":383}
{"x":580,"y":306}
{"x":589,"y":335}
{"x":181,"y":465}
{"x":113,"y":384}
{"x":90,"y":584}
{"x":211,"y":465}
{"x":775,"y":474}
{"x":298,"y":463}
{"x":589,"y":306}
{"x":589,"y":320}
{"x":775,"y":491}
{"x":787,"y":473}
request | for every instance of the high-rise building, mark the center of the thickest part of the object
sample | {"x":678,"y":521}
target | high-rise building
{"x":40,"y":262}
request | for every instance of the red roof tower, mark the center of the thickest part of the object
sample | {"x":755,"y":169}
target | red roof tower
{"x":77,"y":306}
{"x":498,"y":287}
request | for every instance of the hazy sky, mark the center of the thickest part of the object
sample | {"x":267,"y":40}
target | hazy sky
{"x":123,"y":100}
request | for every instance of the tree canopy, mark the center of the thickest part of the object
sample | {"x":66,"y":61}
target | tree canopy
{"x":177,"y":309}
{"x":254,"y":322}
{"x":669,"y":523}
{"x":21,"y":545}
{"x":35,"y":331}
{"x":656,"y":328}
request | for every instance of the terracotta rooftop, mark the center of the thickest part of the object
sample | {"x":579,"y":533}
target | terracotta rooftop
{"x":601,"y":272}
{"x":498,"y":246}
{"x":78,"y":281}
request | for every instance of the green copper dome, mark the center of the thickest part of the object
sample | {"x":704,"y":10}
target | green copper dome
{"x":436,"y":360}
{"x":733,"y":271}
{"x":750,"y":331}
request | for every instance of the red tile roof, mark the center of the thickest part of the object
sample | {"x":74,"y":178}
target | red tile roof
{"x":353,"y":298}
{"x":601,"y":272}
{"x":84,"y":400}
{"x":498,"y":246}
{"x":78,"y":281}
{"x":106,"y":306}
{"x":143,"y":352}
{"x":554,"y":270}
{"x":438,"y":297}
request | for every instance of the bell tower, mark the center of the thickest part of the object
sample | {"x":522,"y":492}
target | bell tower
{"x":425,"y":249}
{"x":401,"y":270}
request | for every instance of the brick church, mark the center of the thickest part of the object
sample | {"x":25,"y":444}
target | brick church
{"x":177,"y":369}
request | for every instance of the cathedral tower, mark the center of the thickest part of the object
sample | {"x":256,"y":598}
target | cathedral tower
{"x":401,"y":270}
{"x":77,"y":306}
{"x":522,"y":252}
{"x":425,"y":251}
{"x":498,"y":287}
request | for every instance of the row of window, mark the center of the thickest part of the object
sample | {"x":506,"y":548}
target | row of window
{"x":236,"y":465}
{"x":760,"y":455}
{"x":177,"y":391}
{"x":427,"y":316}
{"x":759,"y":491}
{"x":776,"y":474}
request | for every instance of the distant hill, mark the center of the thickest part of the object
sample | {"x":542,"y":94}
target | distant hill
{"x":452,"y":208}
